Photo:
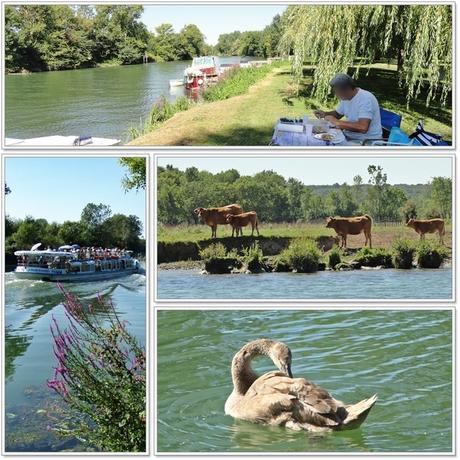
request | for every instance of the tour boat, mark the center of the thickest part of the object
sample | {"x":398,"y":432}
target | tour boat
{"x":203,"y":70}
{"x":62,"y":141}
{"x":72,"y":263}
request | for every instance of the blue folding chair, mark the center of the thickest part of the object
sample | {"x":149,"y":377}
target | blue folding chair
{"x":389,"y":120}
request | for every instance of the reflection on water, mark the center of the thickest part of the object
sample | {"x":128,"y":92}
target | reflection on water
{"x":28,"y":342}
{"x":356,"y":284}
{"x":404,"y":356}
{"x":102,"y":102}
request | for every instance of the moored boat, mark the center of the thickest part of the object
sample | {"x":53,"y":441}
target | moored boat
{"x":72,"y":263}
{"x":204,"y":69}
{"x":62,"y":141}
{"x":176,"y":82}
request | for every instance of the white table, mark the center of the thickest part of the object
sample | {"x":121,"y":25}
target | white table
{"x":306,"y":138}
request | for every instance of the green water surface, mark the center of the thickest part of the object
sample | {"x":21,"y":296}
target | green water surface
{"x":403,"y":355}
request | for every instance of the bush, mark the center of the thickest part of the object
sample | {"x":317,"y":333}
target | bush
{"x":335,"y":258}
{"x":253,"y":258}
{"x":403,"y":253}
{"x":101,"y":375}
{"x":431,"y":254}
{"x":235,"y":82}
{"x":302,"y":256}
{"x":161,"y":111}
{"x":217,"y":260}
{"x":374,"y":257}
{"x":213,"y":251}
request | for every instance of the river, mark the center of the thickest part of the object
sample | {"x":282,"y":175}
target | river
{"x":357,"y":284}
{"x":29,"y":306}
{"x":403,"y":355}
{"x":101,"y":102}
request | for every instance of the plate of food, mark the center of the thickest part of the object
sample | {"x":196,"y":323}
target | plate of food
{"x":334,"y":136}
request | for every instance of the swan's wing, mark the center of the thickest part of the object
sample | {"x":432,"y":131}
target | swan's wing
{"x":303,"y":400}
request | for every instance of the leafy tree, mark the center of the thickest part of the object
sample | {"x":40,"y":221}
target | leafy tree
{"x":136,"y":176}
{"x":163,"y":44}
{"x":338,"y":38}
{"x":441,"y":195}
{"x":124,"y":231}
{"x":190,"y":42}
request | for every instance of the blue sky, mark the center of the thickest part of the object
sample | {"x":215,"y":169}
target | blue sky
{"x":212,"y":20}
{"x":323,"y":171}
{"x":58,"y":188}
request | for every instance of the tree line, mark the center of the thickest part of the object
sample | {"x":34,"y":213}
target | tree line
{"x":97,"y":227}
{"x":277,"y":199}
{"x":59,"y":37}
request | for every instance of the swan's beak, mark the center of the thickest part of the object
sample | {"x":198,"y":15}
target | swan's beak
{"x":287,"y":370}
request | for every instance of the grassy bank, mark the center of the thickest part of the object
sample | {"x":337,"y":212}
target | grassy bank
{"x":235,"y":82}
{"x":382,"y":235}
{"x":248,"y":119}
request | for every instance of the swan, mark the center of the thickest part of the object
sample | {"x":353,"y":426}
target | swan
{"x":277,"y":398}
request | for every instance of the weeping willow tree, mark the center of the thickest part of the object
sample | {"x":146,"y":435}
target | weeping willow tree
{"x":344,"y":37}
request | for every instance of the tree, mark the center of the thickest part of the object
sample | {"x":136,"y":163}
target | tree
{"x":72,"y":232}
{"x":441,"y":195}
{"x":163,"y":44}
{"x":333,"y":37}
{"x":92,"y":218}
{"x":124,"y":231}
{"x":136,"y":177}
{"x":190,"y":42}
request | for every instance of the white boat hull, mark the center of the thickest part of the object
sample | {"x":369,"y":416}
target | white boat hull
{"x":75,"y":277}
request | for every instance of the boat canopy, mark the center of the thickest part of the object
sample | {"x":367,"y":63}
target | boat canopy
{"x":205,"y":61}
{"x":66,"y":247}
{"x":45,"y":253}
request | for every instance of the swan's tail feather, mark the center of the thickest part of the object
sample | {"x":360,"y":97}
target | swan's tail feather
{"x":357,"y":413}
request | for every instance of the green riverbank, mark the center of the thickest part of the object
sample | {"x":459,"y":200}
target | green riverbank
{"x":248,"y":119}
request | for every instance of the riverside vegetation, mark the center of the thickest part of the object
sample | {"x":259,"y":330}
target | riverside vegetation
{"x":304,"y":256}
{"x":101,"y":376}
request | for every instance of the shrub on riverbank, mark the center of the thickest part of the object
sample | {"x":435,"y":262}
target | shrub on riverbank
{"x":101,"y":375}
{"x":431,"y":254}
{"x":253,"y":258}
{"x":302,"y":255}
{"x":403,"y":253}
{"x":368,"y":257}
{"x":236,"y":82}
{"x":161,"y":111}
{"x":217,"y":260}
{"x":334,"y":258}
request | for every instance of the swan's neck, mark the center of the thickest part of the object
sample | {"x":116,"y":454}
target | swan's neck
{"x":242,"y":374}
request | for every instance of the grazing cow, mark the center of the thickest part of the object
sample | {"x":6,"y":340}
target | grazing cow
{"x":351,"y":226}
{"x":428,"y":226}
{"x":217,"y":216}
{"x":237,"y":221}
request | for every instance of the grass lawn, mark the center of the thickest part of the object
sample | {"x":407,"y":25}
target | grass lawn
{"x":249,"y":119}
{"x":382,"y":235}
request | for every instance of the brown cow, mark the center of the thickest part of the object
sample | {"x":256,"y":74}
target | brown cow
{"x":351,"y":226}
{"x":428,"y":226}
{"x":217,"y":216}
{"x":242,"y":220}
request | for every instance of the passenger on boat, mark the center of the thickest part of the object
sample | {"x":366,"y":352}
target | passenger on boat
{"x":360,"y":108}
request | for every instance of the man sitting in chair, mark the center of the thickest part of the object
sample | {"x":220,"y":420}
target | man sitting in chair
{"x":360,"y":107}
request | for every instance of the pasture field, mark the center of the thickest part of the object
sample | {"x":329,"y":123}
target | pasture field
{"x":383,"y":235}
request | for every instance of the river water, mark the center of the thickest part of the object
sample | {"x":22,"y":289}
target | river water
{"x":404,"y":356}
{"x":102,"y":102}
{"x":29,"y":306}
{"x":357,"y":284}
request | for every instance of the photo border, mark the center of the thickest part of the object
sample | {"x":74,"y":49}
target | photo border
{"x":148,"y":310}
